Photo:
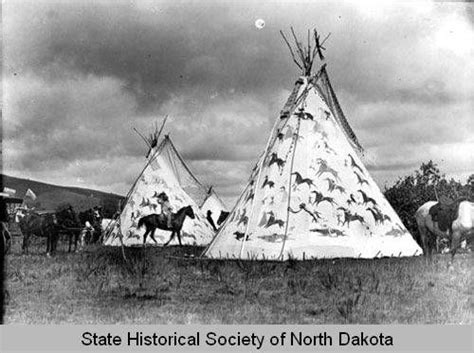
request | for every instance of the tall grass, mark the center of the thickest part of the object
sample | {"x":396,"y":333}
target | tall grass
{"x":98,"y":286}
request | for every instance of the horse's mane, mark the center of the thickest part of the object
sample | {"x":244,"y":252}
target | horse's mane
{"x":184,"y":208}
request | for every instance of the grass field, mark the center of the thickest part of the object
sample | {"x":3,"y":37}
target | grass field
{"x":97,"y":286}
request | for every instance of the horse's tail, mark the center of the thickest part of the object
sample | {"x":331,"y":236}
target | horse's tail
{"x":141,"y":222}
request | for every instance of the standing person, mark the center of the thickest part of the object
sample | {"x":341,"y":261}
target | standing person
{"x":85,"y":233}
{"x":166,"y":209}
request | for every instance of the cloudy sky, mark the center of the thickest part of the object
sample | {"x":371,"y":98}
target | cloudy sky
{"x":79,"y":75}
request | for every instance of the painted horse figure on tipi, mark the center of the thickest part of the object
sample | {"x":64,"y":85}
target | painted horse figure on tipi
{"x":310,"y":195}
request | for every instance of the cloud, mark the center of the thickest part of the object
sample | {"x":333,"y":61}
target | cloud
{"x":79,"y":75}
{"x":52,"y":123}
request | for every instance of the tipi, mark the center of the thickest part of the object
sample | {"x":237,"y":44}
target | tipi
{"x":165,"y":171}
{"x":213,"y":203}
{"x":309,"y":195}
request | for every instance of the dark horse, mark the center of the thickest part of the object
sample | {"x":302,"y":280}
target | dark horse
{"x":41,"y":225}
{"x":154,"y":221}
{"x":70,"y":225}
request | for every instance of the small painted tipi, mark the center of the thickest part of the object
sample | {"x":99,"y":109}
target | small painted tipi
{"x":213,"y":204}
{"x":309,"y":195}
{"x":165,"y":171}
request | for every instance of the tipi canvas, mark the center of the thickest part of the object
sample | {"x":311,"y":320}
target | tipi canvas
{"x":214,"y":204}
{"x":165,"y":171}
{"x":310,"y":196}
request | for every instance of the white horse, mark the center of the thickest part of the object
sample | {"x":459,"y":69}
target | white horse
{"x":462,"y":227}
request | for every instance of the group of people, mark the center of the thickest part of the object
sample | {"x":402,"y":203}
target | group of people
{"x":83,"y":227}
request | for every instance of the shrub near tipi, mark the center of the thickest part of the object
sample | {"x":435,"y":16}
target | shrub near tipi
{"x":310,"y":196}
{"x":165,"y":171}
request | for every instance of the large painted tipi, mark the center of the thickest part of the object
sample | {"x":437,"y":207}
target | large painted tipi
{"x":309,"y":195}
{"x":165,"y":171}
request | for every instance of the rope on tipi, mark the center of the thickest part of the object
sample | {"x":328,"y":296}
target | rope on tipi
{"x":252,"y":204}
{"x":259,"y":175}
{"x":293,"y":144}
{"x":305,"y":63}
{"x":270,"y":142}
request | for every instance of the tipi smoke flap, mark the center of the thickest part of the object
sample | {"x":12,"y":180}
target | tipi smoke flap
{"x":310,"y":195}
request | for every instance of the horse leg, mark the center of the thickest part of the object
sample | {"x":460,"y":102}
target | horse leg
{"x":178,"y":233}
{"x":54,"y":242}
{"x":171,"y":238}
{"x":76,"y":240}
{"x":71,"y":240}
{"x":48,"y":244}
{"x":24,"y":247}
{"x":424,"y":240}
{"x":81,"y":240}
{"x":455,"y":239}
{"x":429,"y":242}
{"x":152,"y":236}
{"x":75,"y":237}
{"x":51,"y":239}
{"x":145,"y":235}
{"x":70,"y":235}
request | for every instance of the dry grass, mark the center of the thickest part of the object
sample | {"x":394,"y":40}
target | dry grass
{"x":97,"y":286}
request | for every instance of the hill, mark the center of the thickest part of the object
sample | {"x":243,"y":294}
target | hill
{"x":51,"y":196}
